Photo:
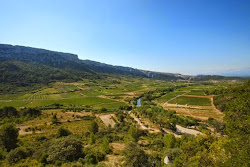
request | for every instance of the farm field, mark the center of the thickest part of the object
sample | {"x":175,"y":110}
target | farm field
{"x":169,"y":96}
{"x":193,"y":101}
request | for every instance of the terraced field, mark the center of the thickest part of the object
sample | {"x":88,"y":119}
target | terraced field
{"x":194,"y":101}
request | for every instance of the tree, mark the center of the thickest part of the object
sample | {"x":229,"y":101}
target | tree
{"x":133,"y":133}
{"x":65,"y":149}
{"x":8,"y":112}
{"x":17,"y":154}
{"x":8,"y":136}
{"x":63,"y":132}
{"x":169,"y":140}
{"x":91,"y":138}
{"x":32,"y":112}
{"x":105,"y":145}
{"x":93,"y":127}
{"x":134,"y":156}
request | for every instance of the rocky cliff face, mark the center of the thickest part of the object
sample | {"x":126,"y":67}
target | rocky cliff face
{"x":34,"y":55}
{"x":70,"y":61}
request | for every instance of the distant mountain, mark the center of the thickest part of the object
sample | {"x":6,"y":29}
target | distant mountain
{"x":68,"y":61}
{"x":21,"y":65}
{"x":242,"y":72}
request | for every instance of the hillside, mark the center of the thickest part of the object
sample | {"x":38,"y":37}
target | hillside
{"x":71,"y":61}
{"x":23,"y":66}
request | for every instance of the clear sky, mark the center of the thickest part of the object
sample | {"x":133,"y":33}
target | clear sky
{"x":184,"y":36}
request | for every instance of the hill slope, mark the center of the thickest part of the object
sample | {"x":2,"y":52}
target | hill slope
{"x":70,"y":61}
{"x":22,"y":66}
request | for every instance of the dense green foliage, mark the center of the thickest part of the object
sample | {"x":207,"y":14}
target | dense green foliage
{"x":232,"y":150}
{"x":21,"y":74}
{"x":135,"y":157}
{"x":11,"y":114}
{"x":63,"y":132}
{"x":17,"y":154}
{"x":8,"y":136}
{"x":237,"y":119}
{"x":8,"y":112}
{"x":93,"y":127}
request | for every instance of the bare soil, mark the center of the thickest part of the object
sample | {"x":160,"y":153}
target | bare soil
{"x":107,"y":119}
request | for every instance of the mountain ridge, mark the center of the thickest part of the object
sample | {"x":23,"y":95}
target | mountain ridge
{"x":69,"y":60}
{"x":56,"y":65}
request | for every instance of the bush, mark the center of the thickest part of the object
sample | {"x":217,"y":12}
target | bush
{"x":8,"y":136}
{"x":18,"y":154}
{"x":63,"y":132}
{"x":105,"y":145}
{"x":65,"y":149}
{"x":169,"y":141}
{"x":8,"y":112}
{"x":134,"y":156}
{"x":93,"y":127}
{"x":32,"y":112}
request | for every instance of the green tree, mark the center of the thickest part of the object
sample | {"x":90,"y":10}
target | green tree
{"x":134,"y":156}
{"x":8,"y":112}
{"x":133,"y":133}
{"x":105,"y":145}
{"x":8,"y":136}
{"x":91,"y":138}
{"x":93,"y":127}
{"x":169,"y":141}
{"x":17,"y":154}
{"x":63,"y":132}
{"x":65,"y":149}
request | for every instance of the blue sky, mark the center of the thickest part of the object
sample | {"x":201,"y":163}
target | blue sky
{"x":184,"y":36}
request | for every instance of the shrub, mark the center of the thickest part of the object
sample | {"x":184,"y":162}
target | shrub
{"x":8,"y":136}
{"x":134,"y":156}
{"x":63,"y":132}
{"x":32,"y":112}
{"x":93,"y":127}
{"x":18,"y":154}
{"x":65,"y":149}
{"x":8,"y":112}
{"x":169,"y":140}
{"x":105,"y":145}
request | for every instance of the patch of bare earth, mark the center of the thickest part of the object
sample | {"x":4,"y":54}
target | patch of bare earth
{"x":186,"y":130}
{"x":107,"y":119}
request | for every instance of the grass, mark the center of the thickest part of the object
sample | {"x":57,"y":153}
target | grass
{"x":14,"y":103}
{"x":113,"y":105}
{"x":168,"y":96}
{"x":200,"y":114}
{"x":14,"y":96}
{"x":74,"y":101}
{"x":77,"y":101}
{"x":197,"y":92}
{"x":70,"y":95}
{"x":191,"y":101}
